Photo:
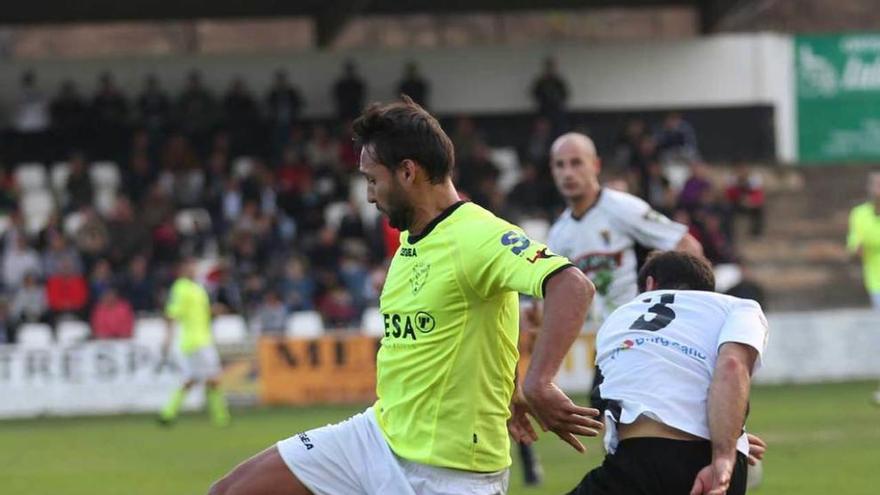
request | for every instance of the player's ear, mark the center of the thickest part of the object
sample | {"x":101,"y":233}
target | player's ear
{"x":598,"y":165}
{"x":408,"y":170}
{"x":650,"y":284}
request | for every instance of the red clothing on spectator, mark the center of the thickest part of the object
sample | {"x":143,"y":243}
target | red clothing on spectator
{"x":113,"y":320}
{"x":391,"y":238}
{"x":294,"y":177}
{"x":67,"y":292}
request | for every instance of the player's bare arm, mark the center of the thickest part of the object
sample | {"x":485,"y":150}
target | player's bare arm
{"x":689,"y":244}
{"x":728,"y":400}
{"x":567,"y":297}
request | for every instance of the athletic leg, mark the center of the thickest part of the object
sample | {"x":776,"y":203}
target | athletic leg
{"x":263,"y":474}
{"x":172,"y":407}
{"x":217,"y":406}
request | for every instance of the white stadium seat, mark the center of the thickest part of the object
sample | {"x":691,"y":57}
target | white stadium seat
{"x":304,"y":324}
{"x":242,"y":167}
{"x":59,"y":174}
{"x":149,"y":330}
{"x":372,"y":323}
{"x":192,"y":220}
{"x":105,"y":200}
{"x":30,"y":176}
{"x":37,"y":206}
{"x":105,"y":175}
{"x":35,"y":335}
{"x":230,"y":329}
{"x":73,"y":332}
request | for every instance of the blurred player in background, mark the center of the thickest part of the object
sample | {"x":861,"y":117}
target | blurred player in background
{"x":600,"y":227}
{"x":445,"y":370}
{"x":863,"y":242}
{"x":598,"y":231}
{"x":677,"y":362}
{"x":189,"y":306}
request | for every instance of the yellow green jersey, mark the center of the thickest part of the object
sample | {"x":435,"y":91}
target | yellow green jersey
{"x":864,"y":232}
{"x":188,"y":304}
{"x":445,"y":370}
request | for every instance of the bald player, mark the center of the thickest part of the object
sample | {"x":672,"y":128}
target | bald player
{"x":600,"y":227}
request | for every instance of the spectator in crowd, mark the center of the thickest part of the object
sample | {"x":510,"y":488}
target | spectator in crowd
{"x":284,"y":105}
{"x":349,"y":93}
{"x":112,"y":317}
{"x":179,"y":154}
{"x":128,"y":234}
{"x":19,"y":260}
{"x":355,"y":277}
{"x":296,"y":287}
{"x":716,"y":245}
{"x":466,"y":138}
{"x":745,"y":193}
{"x":153,"y":107}
{"x":8,"y":192}
{"x":227,"y":297}
{"x":538,"y":146}
{"x":271,"y":315}
{"x":69,"y":112}
{"x":529,"y":196}
{"x":138,"y":177}
{"x":694,"y":190}
{"x":550,"y":92}
{"x":91,"y":237}
{"x":7,"y":325}
{"x":676,"y":139}
{"x":337,"y":307}
{"x":57,"y":250}
{"x":30,"y":116}
{"x":110,"y":111}
{"x":79,"y":188}
{"x":241,"y":114}
{"x":657,"y":190}
{"x":101,"y":279}
{"x":414,"y":85}
{"x":139,"y":286}
{"x":197,"y":111}
{"x":628,"y":143}
{"x":29,"y":302}
{"x":67,"y":292}
{"x":322,"y":152}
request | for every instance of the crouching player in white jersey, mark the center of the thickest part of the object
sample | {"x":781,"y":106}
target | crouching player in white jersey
{"x":677,"y":362}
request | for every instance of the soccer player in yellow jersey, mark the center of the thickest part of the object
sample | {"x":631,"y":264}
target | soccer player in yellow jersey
{"x":189,"y":306}
{"x":863,"y":241}
{"x":445,"y":370}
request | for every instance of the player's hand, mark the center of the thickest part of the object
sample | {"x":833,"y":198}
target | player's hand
{"x":757,"y":447}
{"x":557,"y":413}
{"x":519,"y":425}
{"x":714,"y":479}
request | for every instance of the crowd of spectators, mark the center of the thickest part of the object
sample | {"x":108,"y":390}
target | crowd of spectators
{"x":284,"y":222}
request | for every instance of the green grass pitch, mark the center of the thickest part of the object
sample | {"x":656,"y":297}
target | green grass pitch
{"x":823,"y":439}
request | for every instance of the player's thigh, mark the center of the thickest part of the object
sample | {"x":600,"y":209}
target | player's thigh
{"x":263,"y":474}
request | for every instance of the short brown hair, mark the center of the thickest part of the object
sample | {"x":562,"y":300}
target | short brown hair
{"x":675,"y":270}
{"x":404,"y":130}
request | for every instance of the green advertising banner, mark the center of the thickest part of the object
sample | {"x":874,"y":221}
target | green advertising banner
{"x":838,"y":98}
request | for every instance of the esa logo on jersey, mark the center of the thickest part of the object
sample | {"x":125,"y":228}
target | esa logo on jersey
{"x":655,"y":216}
{"x":405,"y":326}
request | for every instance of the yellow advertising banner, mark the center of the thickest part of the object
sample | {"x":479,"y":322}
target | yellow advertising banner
{"x":326,"y":370}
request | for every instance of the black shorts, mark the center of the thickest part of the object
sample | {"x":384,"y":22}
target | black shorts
{"x":656,"y":466}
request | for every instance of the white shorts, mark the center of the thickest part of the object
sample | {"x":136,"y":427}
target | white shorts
{"x":353,"y":458}
{"x":202,"y":364}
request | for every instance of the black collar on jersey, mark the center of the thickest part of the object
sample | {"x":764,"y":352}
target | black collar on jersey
{"x":412,"y":239}
{"x":582,"y":215}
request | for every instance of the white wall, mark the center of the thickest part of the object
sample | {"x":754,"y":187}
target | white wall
{"x":739,"y":69}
